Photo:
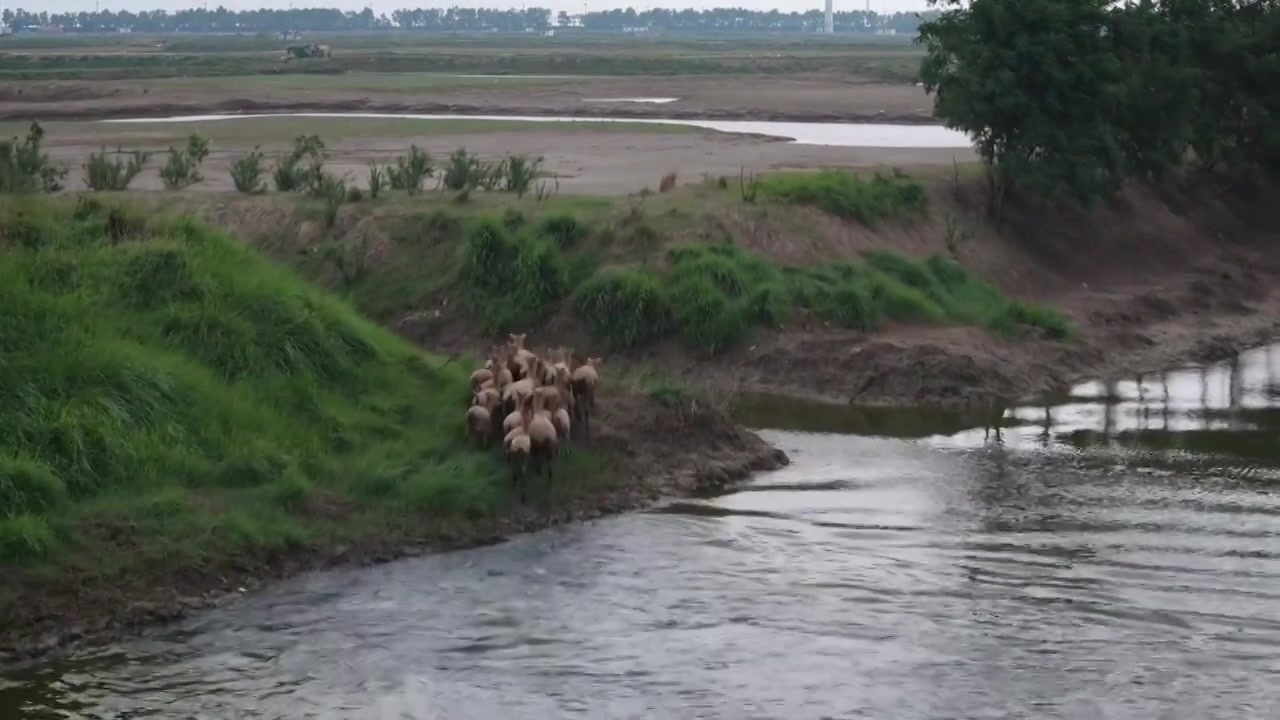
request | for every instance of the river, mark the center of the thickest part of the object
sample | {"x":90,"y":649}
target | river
{"x":1114,"y":554}
{"x":877,"y":135}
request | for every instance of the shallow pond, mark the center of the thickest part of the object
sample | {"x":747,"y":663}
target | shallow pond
{"x":835,"y":134}
{"x":1110,"y":554}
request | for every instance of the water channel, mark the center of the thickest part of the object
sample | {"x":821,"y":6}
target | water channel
{"x":883,"y":135}
{"x":1114,"y":553}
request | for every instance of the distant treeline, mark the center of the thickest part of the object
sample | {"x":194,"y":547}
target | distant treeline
{"x":222,"y":20}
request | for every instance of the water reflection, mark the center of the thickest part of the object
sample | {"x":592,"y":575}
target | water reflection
{"x":1226,"y":410}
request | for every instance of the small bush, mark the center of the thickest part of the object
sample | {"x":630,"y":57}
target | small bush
{"x":332,"y":191}
{"x":462,"y":171}
{"x":105,"y":174}
{"x":28,"y":485}
{"x":847,"y":195}
{"x":25,"y":167}
{"x":303,"y":168}
{"x":377,"y":179}
{"x":520,"y":172}
{"x":410,"y":171}
{"x":513,"y":219}
{"x":668,"y":182}
{"x":287,"y":174}
{"x":565,"y":229}
{"x":183,"y":167}
{"x":25,"y":538}
{"x":1051,"y":321}
{"x":707,"y":319}
{"x":246,"y":173}
{"x":748,"y":186}
{"x":511,"y":281}
{"x":624,"y":307}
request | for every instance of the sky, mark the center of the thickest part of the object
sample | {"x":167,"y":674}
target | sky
{"x":381,"y":6}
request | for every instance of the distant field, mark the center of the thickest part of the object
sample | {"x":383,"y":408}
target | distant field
{"x":279,"y":130}
{"x":213,"y":43}
{"x":365,"y":82}
{"x":73,"y":57}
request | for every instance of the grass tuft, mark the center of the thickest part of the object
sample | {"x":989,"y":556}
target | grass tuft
{"x":712,"y":294}
{"x":848,"y":195}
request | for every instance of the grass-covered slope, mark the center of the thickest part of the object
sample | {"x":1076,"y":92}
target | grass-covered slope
{"x":169,"y":399}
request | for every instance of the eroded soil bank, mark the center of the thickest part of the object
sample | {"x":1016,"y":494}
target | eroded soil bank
{"x":1154,"y":279}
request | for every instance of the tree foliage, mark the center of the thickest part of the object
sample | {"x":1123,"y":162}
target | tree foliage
{"x":1077,"y":96}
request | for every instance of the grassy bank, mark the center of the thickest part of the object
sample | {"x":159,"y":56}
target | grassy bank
{"x":635,"y":273}
{"x":173,"y":401}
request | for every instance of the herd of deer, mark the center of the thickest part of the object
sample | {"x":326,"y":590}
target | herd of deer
{"x":532,"y":404}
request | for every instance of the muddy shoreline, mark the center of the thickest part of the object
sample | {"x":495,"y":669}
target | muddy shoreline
{"x":63,"y":111}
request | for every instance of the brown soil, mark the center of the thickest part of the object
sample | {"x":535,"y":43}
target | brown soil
{"x":815,"y":98}
{"x":660,"y":450}
{"x":584,"y":162}
{"x":1151,"y":280}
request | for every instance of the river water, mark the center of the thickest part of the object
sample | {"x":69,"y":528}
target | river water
{"x":1111,"y":554}
{"x":878,"y":135}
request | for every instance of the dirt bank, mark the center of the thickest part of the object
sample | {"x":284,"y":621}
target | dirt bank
{"x":818,"y":98}
{"x":1151,"y":280}
{"x":658,"y":449}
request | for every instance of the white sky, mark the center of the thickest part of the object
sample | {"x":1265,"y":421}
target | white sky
{"x":381,"y":6}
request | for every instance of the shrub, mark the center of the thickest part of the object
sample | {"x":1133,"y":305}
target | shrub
{"x":183,"y":166}
{"x":105,"y":174}
{"x":246,"y":173}
{"x":410,"y":170}
{"x":510,"y":281}
{"x":847,"y":195}
{"x":332,"y":191}
{"x":377,"y":179}
{"x":624,"y":307}
{"x":303,"y":168}
{"x":565,"y":229}
{"x":287,"y":174}
{"x":25,"y":167}
{"x":713,"y":293}
{"x":707,"y":319}
{"x":520,"y":172}
{"x":668,"y":182}
{"x":462,"y":170}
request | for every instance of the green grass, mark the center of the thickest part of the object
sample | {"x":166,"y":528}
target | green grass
{"x":713,"y":294}
{"x":172,"y":400}
{"x":849,"y":196}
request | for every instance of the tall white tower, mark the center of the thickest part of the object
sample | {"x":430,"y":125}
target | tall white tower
{"x":829,"y":25}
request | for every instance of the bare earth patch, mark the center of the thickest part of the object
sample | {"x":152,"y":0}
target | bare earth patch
{"x":586,"y":158}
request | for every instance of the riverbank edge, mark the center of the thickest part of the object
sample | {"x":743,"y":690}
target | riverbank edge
{"x":57,"y":110}
{"x":1057,"y":366}
{"x":694,"y":476}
